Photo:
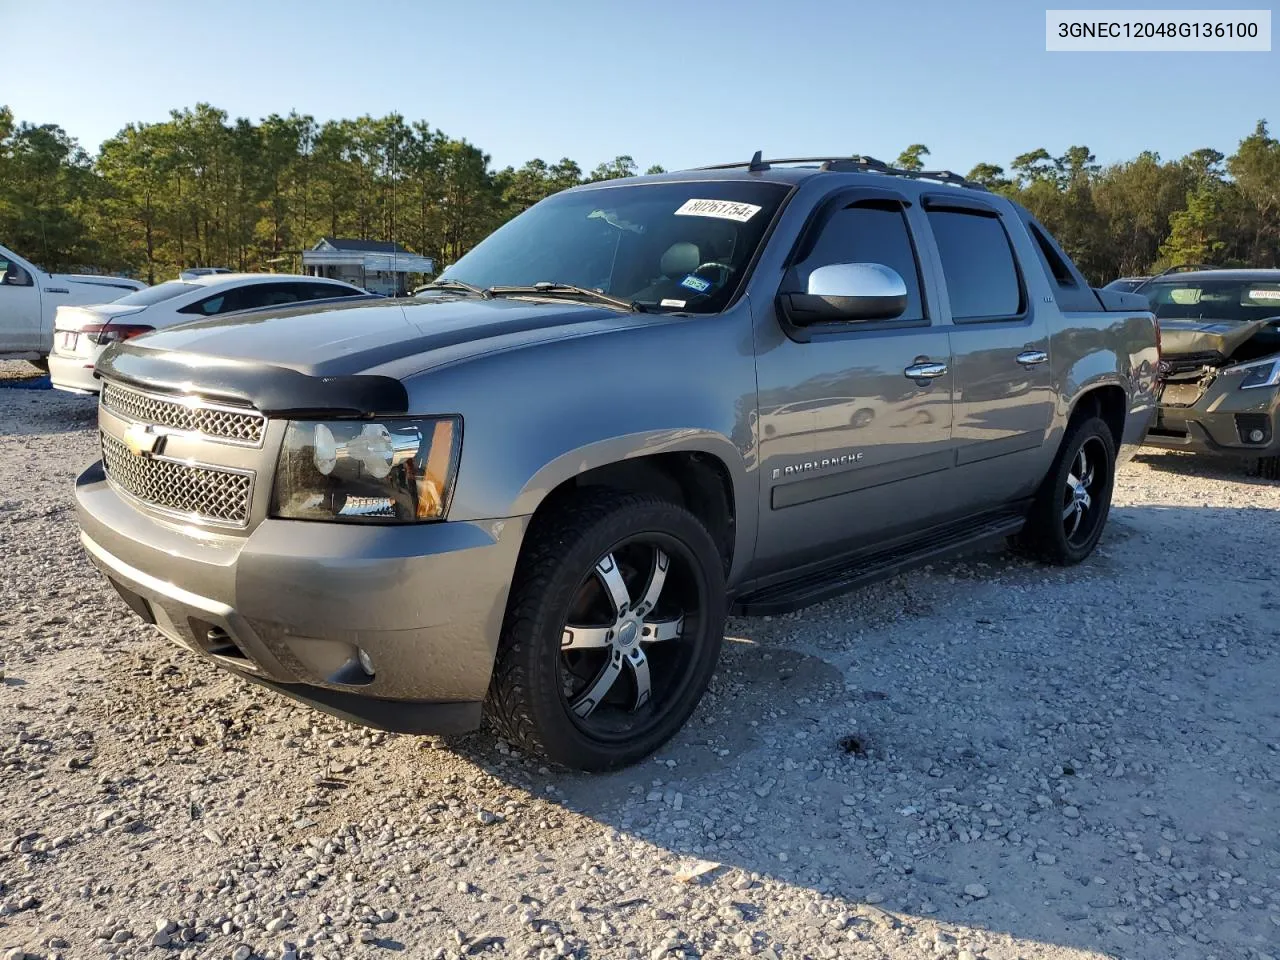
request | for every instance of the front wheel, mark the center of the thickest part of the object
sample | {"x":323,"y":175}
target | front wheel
{"x":612,"y":630}
{"x":1071,"y":507}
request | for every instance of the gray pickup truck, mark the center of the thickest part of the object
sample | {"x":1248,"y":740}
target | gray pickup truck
{"x":534,"y":491}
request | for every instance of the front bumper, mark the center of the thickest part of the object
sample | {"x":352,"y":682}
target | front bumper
{"x":1223,"y":420}
{"x":73,"y":374}
{"x":292,"y":604}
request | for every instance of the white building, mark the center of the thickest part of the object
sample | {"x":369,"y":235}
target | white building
{"x":374,"y":265}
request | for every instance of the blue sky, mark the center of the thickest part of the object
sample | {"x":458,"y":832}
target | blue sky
{"x":676,"y":83}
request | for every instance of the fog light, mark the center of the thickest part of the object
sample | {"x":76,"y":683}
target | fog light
{"x":1256,"y":436}
{"x":366,"y":662}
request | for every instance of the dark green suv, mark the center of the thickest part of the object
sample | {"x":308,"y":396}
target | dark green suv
{"x":1220,"y":366}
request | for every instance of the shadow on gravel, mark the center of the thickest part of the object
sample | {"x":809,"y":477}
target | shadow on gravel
{"x":1205,"y":466}
{"x":27,"y":413}
{"x":1081,"y":757}
{"x":37,"y":382}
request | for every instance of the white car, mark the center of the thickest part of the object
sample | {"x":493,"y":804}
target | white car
{"x":826,"y":413}
{"x":82,"y":333}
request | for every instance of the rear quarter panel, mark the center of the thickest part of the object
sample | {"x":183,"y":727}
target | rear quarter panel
{"x":1090,"y":350}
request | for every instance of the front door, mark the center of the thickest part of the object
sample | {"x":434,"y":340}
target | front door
{"x":1004,"y":398}
{"x":19,"y":310}
{"x":854,"y":421}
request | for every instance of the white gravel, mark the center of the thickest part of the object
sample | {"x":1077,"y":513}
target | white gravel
{"x":986,"y":759}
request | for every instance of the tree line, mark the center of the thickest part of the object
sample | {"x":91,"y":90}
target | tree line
{"x":202,"y":189}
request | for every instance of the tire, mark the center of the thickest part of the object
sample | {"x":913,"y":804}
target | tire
{"x":567,"y":681}
{"x":1269,"y":467}
{"x":1062,"y":527}
{"x":42,"y":364}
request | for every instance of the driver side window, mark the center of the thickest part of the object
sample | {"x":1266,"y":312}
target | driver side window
{"x":871,"y":232}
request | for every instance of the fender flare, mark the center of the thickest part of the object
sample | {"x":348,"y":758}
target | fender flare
{"x":602,"y":453}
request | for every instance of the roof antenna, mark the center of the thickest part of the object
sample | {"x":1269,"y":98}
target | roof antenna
{"x":757,"y":164}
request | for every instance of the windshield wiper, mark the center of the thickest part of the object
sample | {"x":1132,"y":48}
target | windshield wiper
{"x":450,"y":284}
{"x":549,"y":288}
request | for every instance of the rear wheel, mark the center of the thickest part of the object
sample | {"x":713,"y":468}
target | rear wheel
{"x":612,"y":630}
{"x":1072,"y":505}
{"x":1269,"y":467}
{"x":42,"y":364}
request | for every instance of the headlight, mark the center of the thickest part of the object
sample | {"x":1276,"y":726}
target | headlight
{"x":362,"y":471}
{"x":1260,"y":373}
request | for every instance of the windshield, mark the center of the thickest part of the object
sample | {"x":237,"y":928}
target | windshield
{"x":680,"y":246}
{"x":162,"y":291}
{"x":1238,"y":300}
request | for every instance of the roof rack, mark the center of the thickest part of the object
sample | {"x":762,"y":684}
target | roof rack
{"x":852,"y":164}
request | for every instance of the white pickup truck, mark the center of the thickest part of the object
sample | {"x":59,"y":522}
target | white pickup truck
{"x":29,"y":297}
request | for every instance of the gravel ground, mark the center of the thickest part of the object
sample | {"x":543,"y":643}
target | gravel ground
{"x":984,"y":759}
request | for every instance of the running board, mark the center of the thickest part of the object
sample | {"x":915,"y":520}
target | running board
{"x":865,"y":568}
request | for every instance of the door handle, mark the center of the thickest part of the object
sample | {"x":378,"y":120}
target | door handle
{"x":1029,"y":358}
{"x":925,"y":370}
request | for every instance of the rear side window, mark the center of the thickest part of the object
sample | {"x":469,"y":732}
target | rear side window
{"x":327,"y":291}
{"x":272,"y":295}
{"x":1056,"y":266}
{"x":208,"y":307}
{"x":871,"y":232}
{"x":977,"y":261}
{"x":251,"y":296}
{"x":224,"y":301}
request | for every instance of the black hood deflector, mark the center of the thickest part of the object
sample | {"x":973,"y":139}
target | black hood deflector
{"x":273,"y":390}
{"x":325,"y":357}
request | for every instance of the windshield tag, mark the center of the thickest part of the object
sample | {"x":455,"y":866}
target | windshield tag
{"x":721,"y":209}
{"x":672,"y":303}
{"x":696,"y":284}
{"x":1264,"y":294}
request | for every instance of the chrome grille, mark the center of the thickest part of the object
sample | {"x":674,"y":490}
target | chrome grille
{"x":208,"y":493}
{"x":212,"y":420}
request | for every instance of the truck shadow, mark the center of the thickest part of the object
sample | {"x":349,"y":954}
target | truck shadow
{"x":996,"y":749}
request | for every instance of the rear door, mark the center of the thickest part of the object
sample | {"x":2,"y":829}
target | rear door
{"x":851,"y":445}
{"x":1003,"y":402}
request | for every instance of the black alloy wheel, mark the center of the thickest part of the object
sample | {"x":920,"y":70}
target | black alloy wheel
{"x":612,"y":629}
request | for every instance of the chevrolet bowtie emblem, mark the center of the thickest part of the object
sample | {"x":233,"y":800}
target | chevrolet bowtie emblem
{"x":143,"y":441}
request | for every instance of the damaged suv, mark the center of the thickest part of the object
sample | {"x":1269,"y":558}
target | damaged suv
{"x":534,"y":489}
{"x":1220,"y":363}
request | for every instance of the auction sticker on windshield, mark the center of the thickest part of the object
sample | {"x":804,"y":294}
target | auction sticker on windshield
{"x":723,"y":209}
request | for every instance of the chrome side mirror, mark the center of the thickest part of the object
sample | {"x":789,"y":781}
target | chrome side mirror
{"x":848,"y":292}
